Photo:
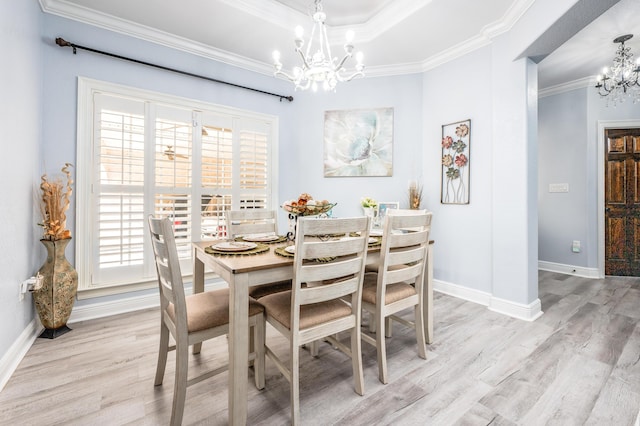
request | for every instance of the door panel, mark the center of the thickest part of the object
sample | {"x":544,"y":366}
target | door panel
{"x":622,"y":202}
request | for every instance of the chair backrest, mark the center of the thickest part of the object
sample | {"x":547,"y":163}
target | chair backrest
{"x":168,"y":268}
{"x":403,"y":252}
{"x":337,"y":262}
{"x":251,"y":221}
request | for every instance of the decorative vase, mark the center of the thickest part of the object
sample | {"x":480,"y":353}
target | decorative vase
{"x":54,"y":299}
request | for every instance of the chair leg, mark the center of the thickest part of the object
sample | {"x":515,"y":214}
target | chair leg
{"x":381,"y":348}
{"x":314,"y":348}
{"x":356,"y":360}
{"x":372,"y":322}
{"x":162,"y":353}
{"x":180,"y":385}
{"x":259,"y":331}
{"x":420,"y":336}
{"x":295,"y":384}
{"x":388,"y":326}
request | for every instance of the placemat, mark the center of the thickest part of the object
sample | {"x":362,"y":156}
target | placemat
{"x":282,"y":252}
{"x":281,"y":239}
{"x":373,"y":244}
{"x":259,"y":248}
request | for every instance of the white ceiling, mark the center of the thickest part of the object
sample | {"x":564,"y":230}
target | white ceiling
{"x":396,"y":36}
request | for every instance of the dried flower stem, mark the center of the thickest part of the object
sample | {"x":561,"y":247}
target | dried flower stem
{"x":54,"y":203}
{"x":415,"y":195}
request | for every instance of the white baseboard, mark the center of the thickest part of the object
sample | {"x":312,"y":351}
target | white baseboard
{"x":579,"y":271}
{"x":17,"y":351}
{"x":528,"y":312}
{"x":114,"y":307}
{"x":466,"y":293}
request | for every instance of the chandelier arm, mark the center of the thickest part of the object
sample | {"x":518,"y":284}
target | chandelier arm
{"x":339,"y":66}
{"x":351,"y":77}
{"x":285,"y":75}
{"x":305,"y":63}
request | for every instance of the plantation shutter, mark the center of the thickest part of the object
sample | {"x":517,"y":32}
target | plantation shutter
{"x":119,"y":128}
{"x":173,"y":175}
{"x":217,"y":174}
{"x":254,"y":160}
{"x":161,"y":156}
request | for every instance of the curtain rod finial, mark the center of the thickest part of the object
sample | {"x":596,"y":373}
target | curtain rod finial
{"x":64,"y":43}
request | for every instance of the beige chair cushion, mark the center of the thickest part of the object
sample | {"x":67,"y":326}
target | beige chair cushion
{"x":278,"y":306}
{"x":267,"y":289}
{"x":394,"y":292}
{"x":374,"y":268}
{"x":209,"y":309}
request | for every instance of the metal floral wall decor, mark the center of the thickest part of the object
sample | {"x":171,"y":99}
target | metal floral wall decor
{"x":358,"y":142}
{"x":456,"y":138}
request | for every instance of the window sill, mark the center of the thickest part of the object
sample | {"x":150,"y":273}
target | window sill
{"x":115,"y":289}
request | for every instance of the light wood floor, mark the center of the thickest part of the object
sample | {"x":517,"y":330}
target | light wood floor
{"x":578,"y":364}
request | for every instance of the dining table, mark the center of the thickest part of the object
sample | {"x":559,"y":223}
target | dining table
{"x":244,"y":271}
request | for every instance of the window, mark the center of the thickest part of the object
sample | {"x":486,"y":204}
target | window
{"x":142,"y":153}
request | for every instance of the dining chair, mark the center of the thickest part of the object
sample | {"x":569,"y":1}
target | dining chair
{"x":256,"y":221}
{"x":374,"y":268}
{"x":398,"y":282}
{"x":308,"y":313}
{"x":192,"y":319}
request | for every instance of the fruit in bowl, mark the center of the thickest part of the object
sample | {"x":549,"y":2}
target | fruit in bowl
{"x":305,"y":205}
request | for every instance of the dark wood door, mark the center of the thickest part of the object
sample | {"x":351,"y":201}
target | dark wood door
{"x":622,"y":202}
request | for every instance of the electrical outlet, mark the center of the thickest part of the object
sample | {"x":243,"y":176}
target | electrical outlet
{"x":33,"y":283}
{"x":575,"y":247}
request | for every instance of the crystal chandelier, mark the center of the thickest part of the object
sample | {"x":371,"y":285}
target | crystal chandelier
{"x":318,"y":66}
{"x":621,"y":80}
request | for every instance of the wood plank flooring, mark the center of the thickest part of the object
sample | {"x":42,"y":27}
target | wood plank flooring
{"x":577,"y":364}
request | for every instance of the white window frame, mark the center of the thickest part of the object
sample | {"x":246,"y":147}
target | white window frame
{"x":85,"y":173}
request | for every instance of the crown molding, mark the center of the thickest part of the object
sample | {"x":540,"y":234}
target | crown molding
{"x":128,"y":28}
{"x":281,"y":15}
{"x":567,"y":87}
{"x":511,"y":16}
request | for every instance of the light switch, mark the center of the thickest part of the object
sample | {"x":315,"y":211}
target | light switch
{"x":575,"y":247}
{"x":558,"y":187}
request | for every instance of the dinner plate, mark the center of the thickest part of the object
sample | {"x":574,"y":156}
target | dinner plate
{"x":261,"y":238}
{"x":376,"y":232}
{"x":290,"y":249}
{"x":234,"y":246}
{"x":372,"y":240}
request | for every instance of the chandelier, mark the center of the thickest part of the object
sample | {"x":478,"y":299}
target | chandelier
{"x":621,"y":80}
{"x":318,"y":65}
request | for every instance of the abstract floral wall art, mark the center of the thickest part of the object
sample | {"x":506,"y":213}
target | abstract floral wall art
{"x":358,"y":142}
{"x":456,"y":138}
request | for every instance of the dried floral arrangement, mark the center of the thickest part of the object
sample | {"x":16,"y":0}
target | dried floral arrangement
{"x":54,"y":202}
{"x":415,"y":195}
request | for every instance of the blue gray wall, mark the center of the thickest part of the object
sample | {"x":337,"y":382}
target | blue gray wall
{"x":21,"y":114}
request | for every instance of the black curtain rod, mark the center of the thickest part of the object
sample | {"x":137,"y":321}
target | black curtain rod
{"x":63,"y":43}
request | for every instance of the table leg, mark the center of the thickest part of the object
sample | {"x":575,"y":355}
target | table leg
{"x":238,"y":348}
{"x":428,"y":297}
{"x":198,"y":286}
